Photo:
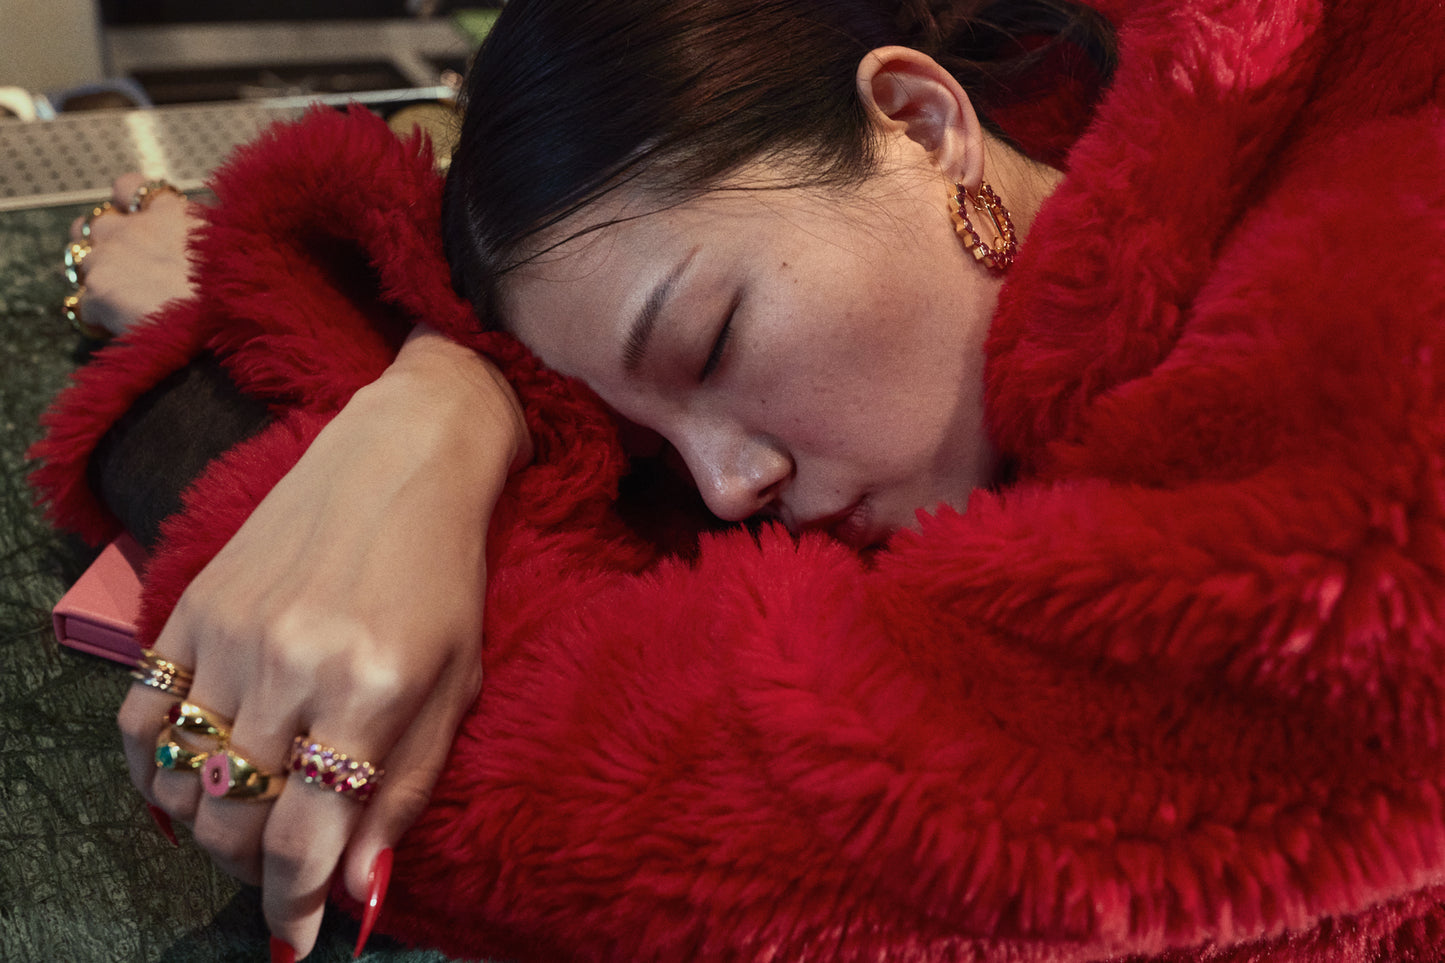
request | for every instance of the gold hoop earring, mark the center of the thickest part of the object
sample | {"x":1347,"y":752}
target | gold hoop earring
{"x":1005,"y":244}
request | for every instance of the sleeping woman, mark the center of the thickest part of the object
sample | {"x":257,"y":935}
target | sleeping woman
{"x":1088,"y":422}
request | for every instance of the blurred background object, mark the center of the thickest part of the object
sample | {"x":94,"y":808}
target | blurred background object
{"x":46,"y":44}
{"x":92,"y":88}
{"x":16,"y":103}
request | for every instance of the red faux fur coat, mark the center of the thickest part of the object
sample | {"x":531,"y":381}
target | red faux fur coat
{"x":1179,"y":692}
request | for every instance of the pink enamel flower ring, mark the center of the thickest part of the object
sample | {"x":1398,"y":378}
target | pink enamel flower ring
{"x":327,"y":768}
{"x":216,"y":774}
{"x":226,"y":775}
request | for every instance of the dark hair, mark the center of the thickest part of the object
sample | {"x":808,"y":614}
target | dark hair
{"x":568,"y":99}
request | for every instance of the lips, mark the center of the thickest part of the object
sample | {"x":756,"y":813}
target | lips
{"x":852,"y":526}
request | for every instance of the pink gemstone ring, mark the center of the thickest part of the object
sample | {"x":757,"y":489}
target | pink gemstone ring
{"x":226,"y":775}
{"x":327,"y":768}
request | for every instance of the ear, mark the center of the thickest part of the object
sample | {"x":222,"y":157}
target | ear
{"x":908,"y":93}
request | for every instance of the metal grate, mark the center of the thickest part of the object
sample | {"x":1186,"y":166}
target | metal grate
{"x":73,"y":158}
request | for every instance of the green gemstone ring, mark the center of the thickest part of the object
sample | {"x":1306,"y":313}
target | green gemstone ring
{"x":172,"y":755}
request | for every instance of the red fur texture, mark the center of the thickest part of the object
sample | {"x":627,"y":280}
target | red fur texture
{"x":1178,"y":693}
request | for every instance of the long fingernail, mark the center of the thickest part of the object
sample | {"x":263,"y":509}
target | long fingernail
{"x":281,"y":951}
{"x":376,"y":883}
{"x":163,"y":822}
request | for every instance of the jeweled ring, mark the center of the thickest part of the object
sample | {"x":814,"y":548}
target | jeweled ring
{"x":70,"y":307}
{"x":75,"y":254}
{"x":163,"y":674}
{"x":225,"y":775}
{"x":100,"y":211}
{"x":171,"y":755}
{"x":326,"y":768}
{"x":143,"y":195}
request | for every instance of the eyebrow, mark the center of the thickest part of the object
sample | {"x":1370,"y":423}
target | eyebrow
{"x":639,"y":333}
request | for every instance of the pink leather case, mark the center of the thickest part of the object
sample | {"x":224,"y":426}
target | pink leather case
{"x":98,"y":614}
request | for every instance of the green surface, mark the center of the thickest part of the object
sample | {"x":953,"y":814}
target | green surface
{"x":476,"y":24}
{"x":84,"y":874}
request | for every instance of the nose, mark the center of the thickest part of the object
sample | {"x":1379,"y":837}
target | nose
{"x":738,"y":475}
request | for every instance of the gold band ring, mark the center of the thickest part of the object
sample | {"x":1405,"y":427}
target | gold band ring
{"x":189,"y":717}
{"x":75,"y":254}
{"x":100,"y":211}
{"x":326,"y":768}
{"x":225,"y":775}
{"x":163,"y":674}
{"x":144,"y":194}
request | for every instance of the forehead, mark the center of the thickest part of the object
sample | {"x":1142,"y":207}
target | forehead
{"x":574,"y":301}
{"x":588,"y":278}
{"x":597,"y":270}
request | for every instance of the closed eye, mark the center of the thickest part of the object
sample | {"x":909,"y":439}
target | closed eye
{"x":719,"y":346}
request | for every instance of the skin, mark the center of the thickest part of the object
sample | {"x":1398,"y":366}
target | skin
{"x":813,"y":356}
{"x":807,"y":363}
{"x":382,"y":661}
{"x":137,"y":262}
{"x":846,"y":396}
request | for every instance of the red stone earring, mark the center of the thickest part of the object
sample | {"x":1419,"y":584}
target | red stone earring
{"x":1005,"y":242}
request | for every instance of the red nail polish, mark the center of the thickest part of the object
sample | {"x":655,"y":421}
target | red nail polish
{"x":376,"y":883}
{"x":281,"y":951}
{"x":163,"y":823}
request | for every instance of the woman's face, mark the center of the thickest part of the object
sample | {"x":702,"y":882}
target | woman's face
{"x":812,"y":357}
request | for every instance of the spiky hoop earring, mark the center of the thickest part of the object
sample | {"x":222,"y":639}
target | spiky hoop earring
{"x":1005,"y":244}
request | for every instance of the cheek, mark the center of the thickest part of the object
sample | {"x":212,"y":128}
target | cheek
{"x":900,"y":383}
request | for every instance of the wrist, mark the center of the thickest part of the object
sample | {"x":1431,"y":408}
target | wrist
{"x":436,"y":385}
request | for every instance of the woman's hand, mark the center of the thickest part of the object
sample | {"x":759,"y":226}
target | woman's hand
{"x":348,"y":608}
{"x":137,"y":261}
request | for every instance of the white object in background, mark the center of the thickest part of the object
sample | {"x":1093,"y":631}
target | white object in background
{"x":18,"y":102}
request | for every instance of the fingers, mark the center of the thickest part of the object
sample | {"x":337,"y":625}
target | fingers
{"x":416,"y":762}
{"x":302,"y":845}
{"x":231,"y":830}
{"x":313,"y":826}
{"x":413,"y":767}
{"x":314,"y":822}
{"x":142,"y":718}
{"x":345,"y":611}
{"x":135,"y":253}
{"x":123,"y":189}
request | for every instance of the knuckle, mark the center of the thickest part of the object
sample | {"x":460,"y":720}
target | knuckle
{"x":177,"y":799}
{"x":136,"y":724}
{"x":122,"y":186}
{"x":300,"y":642}
{"x":284,"y":851}
{"x":95,"y":271}
{"x":289,"y":643}
{"x":139,"y":778}
{"x":380,"y":683}
{"x":407,"y":799}
{"x":225,"y":846}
